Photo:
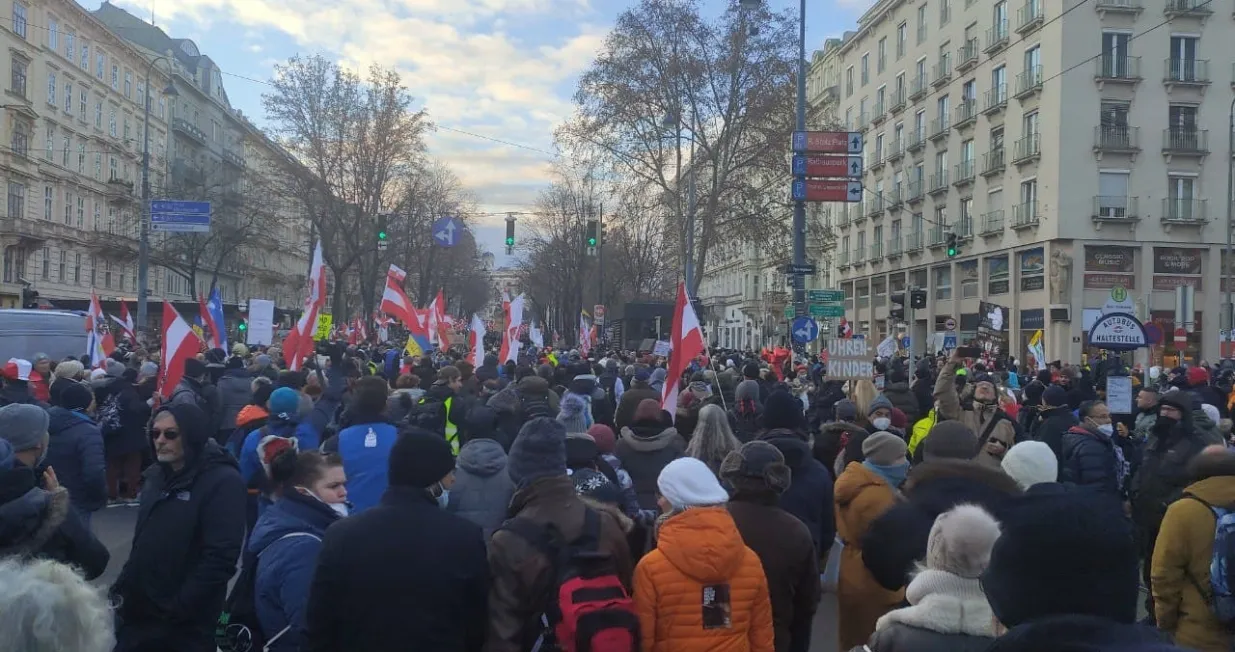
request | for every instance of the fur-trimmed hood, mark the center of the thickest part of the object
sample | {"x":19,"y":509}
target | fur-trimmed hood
{"x":944,"y":603}
{"x":840,"y":428}
{"x":612,"y":510}
{"x":29,"y":520}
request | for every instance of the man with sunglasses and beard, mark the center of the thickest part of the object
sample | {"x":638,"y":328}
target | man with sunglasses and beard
{"x":190,"y":527}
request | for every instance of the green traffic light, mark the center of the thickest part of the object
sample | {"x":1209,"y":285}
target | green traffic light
{"x":951,"y":253}
{"x":243,"y":326}
{"x":591,"y":242}
{"x":381,"y":235}
{"x":510,"y":242}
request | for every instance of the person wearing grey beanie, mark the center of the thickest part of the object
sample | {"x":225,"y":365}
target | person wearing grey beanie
{"x":574,"y":414}
{"x":544,"y":502}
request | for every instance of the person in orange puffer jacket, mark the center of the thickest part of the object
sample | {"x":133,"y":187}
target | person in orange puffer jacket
{"x":701,"y":589}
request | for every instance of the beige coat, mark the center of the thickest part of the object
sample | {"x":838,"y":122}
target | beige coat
{"x":976,"y":416}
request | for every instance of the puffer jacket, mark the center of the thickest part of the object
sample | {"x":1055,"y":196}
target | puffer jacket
{"x":75,"y":451}
{"x":1089,"y":460}
{"x":861,"y":497}
{"x":1051,"y":426}
{"x":977,"y":416}
{"x":903,"y":399}
{"x":809,"y":496}
{"x":482,"y":489}
{"x":645,"y":450}
{"x":697,"y":550}
{"x":235,"y":391}
{"x":1183,"y":553}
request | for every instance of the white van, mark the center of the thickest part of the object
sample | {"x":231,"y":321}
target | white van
{"x":59,"y":334}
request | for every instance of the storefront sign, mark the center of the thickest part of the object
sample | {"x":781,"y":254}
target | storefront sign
{"x":1111,"y":259}
{"x":1104,"y":281}
{"x":1032,"y":283}
{"x":1118,"y":331}
{"x":1171,"y":282}
{"x":1032,"y":320}
{"x":1177,"y":260}
{"x":1032,"y":269}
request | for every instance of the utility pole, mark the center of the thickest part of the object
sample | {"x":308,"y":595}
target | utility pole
{"x":600,"y":268}
{"x":1228,"y":310}
{"x":799,"y":207}
{"x":143,"y":250}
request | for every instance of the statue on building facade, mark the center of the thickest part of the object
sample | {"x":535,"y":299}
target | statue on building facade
{"x":1061,"y":276}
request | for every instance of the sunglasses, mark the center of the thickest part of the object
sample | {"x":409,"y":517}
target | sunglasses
{"x":169,"y":435}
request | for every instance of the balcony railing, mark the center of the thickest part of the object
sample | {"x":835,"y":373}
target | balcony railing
{"x":897,"y":103}
{"x":1185,"y":140}
{"x":1188,"y":72}
{"x":1029,"y":17}
{"x":940,"y":126}
{"x":1029,"y":82}
{"x":189,"y":129}
{"x":1117,"y":138}
{"x":917,"y":140}
{"x":939,"y":182}
{"x":1119,"y":6}
{"x":842,"y":259}
{"x":993,"y":162}
{"x":893,"y":199}
{"x":918,"y":87}
{"x":992,"y":222}
{"x":1196,"y":8}
{"x":964,"y":228}
{"x":1118,"y":68}
{"x":942,"y":72}
{"x":880,"y":113}
{"x":233,"y":159}
{"x":996,"y":37}
{"x":1111,"y":207}
{"x":964,"y":173}
{"x":966,"y":113}
{"x":1025,"y":215}
{"x":915,"y":191}
{"x":1027,"y":149}
{"x":996,"y":99}
{"x":967,"y":55}
{"x":874,"y":205}
{"x":913,"y":241}
{"x":894,"y":247}
{"x":936,"y":235}
{"x":1184,"y":211}
{"x":896,"y":149}
{"x":864,"y":121}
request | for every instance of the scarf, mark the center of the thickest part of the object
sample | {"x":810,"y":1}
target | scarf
{"x":894,"y":475}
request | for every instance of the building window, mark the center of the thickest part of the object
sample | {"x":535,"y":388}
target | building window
{"x":19,"y":19}
{"x":922,"y":24}
{"x":127,"y":132}
{"x":945,"y":12}
{"x":47,"y":202}
{"x":866,"y":68}
{"x":115,"y":77}
{"x":51,"y":88}
{"x":53,"y":33}
{"x":97,"y":215}
{"x":46,"y":262}
{"x":848,"y":81}
{"x":107,"y":274}
{"x":142,"y":98}
{"x":81,"y":212}
{"x":70,"y":46}
{"x":68,"y":98}
{"x":128,"y":84}
{"x":943,"y":283}
{"x":881,"y":60}
{"x":66,"y":144}
{"x":20,"y":140}
{"x":17,"y":83}
{"x":111,"y":123}
{"x":85,"y":56}
{"x":77,"y":269}
{"x":1112,"y":202}
{"x":100,"y":63}
{"x":64,"y":263}
{"x":112,"y":169}
{"x":162,"y":109}
{"x":68,"y":207}
{"x":17,"y":200}
{"x":902,"y":34}
{"x":98,"y":165}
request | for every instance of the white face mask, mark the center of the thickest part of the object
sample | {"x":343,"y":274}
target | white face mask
{"x":1106,"y":429}
{"x":443,"y":499}
{"x":340,"y":509}
{"x":881,"y":423}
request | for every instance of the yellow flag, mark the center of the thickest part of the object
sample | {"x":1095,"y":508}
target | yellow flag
{"x":412,"y":347}
{"x":552,"y":357}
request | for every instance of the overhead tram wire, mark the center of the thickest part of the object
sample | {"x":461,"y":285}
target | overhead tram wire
{"x":1059,"y":74}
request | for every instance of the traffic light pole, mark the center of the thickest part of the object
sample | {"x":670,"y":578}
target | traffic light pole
{"x":909,"y":319}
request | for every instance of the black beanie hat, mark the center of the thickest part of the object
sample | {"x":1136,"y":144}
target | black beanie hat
{"x":1063,"y":554}
{"x":782,"y":410}
{"x":194,"y":368}
{"x":751,"y":371}
{"x":419,"y":459}
{"x":76,"y":397}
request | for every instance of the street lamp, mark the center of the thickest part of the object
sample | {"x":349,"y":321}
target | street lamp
{"x":143,"y":252}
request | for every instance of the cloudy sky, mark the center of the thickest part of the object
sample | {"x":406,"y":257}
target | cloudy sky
{"x":486,"y":70}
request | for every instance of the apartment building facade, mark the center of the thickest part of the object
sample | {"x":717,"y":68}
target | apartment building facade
{"x":1070,"y":147}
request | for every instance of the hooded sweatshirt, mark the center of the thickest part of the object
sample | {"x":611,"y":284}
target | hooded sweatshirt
{"x":482,"y":489}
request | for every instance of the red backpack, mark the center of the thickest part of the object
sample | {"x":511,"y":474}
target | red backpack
{"x":587,"y":608}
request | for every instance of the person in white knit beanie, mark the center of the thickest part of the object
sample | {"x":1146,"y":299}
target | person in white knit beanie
{"x":1031,"y":463}
{"x":948,"y":611}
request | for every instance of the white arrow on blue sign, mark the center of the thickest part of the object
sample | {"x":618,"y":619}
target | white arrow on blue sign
{"x":446,"y":231}
{"x":805,"y":330}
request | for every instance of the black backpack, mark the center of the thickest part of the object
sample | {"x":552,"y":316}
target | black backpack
{"x":238,"y":629}
{"x":429,"y":414}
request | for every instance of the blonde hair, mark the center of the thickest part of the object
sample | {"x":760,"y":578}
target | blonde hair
{"x":864,"y":393}
{"x":69,"y":369}
{"x":713,"y":439}
{"x":47,"y":607}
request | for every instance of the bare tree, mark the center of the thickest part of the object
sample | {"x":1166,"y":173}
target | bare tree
{"x":668,"y":82}
{"x":639,"y":264}
{"x":356,"y":137}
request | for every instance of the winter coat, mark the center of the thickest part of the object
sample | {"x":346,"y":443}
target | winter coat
{"x":831,"y":442}
{"x":898,"y":537}
{"x":188,"y":537}
{"x":75,"y":452}
{"x":1051,"y":426}
{"x":645,"y":450}
{"x":42,"y":524}
{"x":1180,"y":567}
{"x":1089,"y":460}
{"x":523,"y":575}
{"x":861,"y":496}
{"x":789,"y":560}
{"x":1145,"y":421}
{"x":1077,"y":632}
{"x":809,"y":496}
{"x":16,"y":391}
{"x":482,"y":489}
{"x":949,"y":613}
{"x":1163,"y":473}
{"x":404,"y":571}
{"x":747,"y":420}
{"x":134,"y":415}
{"x":284,"y":544}
{"x":1205,"y":426}
{"x":624,"y":416}
{"x":308,"y":432}
{"x":1207,"y":393}
{"x":696,"y":550}
{"x":203,"y":395}
{"x":401,"y":401}
{"x":235,"y":392}
{"x":903,"y":399}
{"x":977,"y":416}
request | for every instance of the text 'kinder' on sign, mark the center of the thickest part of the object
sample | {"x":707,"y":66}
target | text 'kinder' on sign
{"x":849,"y":360}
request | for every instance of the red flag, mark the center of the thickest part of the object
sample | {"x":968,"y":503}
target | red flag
{"x":125,"y":320}
{"x":395,"y":301}
{"x":179,"y":344}
{"x":99,"y":338}
{"x":212,"y":329}
{"x":439,"y":323}
{"x":687,"y":343}
{"x":476,"y":341}
{"x":299,"y":342}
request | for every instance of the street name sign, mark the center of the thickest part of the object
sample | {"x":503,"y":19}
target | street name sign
{"x":833,"y":190}
{"x":827,"y":166}
{"x":827,"y":142}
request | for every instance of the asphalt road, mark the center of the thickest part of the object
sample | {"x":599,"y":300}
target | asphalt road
{"x":114,"y":527}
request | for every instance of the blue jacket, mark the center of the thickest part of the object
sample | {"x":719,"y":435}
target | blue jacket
{"x":1089,"y":460}
{"x":75,"y":451}
{"x":285,"y":564}
{"x":365,"y":449}
{"x":809,"y":496}
{"x":482,"y":489}
{"x":308,"y":432}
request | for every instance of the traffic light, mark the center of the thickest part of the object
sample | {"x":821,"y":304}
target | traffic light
{"x":896,"y":312}
{"x":382,"y":222}
{"x":917,"y":299}
{"x":592,"y":234}
{"x":953,"y":246}
{"x":242,"y":326}
{"x":29,"y":298}
{"x":510,"y":233}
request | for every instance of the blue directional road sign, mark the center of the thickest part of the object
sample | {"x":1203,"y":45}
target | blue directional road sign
{"x":805,"y":330}
{"x":446,"y":231}
{"x":905,"y":342}
{"x":174,"y":216}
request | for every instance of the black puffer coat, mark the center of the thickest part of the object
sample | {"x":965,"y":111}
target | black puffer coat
{"x":1089,"y":461}
{"x":41,"y":524}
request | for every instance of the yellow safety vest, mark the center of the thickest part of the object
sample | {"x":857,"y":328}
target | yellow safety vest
{"x":452,"y":431}
{"x":920,"y":430}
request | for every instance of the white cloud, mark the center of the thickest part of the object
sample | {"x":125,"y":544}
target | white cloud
{"x":462,"y":58}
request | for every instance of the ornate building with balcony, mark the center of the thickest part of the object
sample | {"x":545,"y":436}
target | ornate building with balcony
{"x":1060,"y":181}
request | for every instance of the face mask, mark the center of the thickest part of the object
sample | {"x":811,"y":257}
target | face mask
{"x":443,"y":499}
{"x":340,"y":508}
{"x":1106,"y":429}
{"x":881,"y":423}
{"x":1165,"y":424}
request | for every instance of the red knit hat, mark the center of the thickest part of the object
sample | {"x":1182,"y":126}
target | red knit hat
{"x":1198,"y":376}
{"x":603,"y":435}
